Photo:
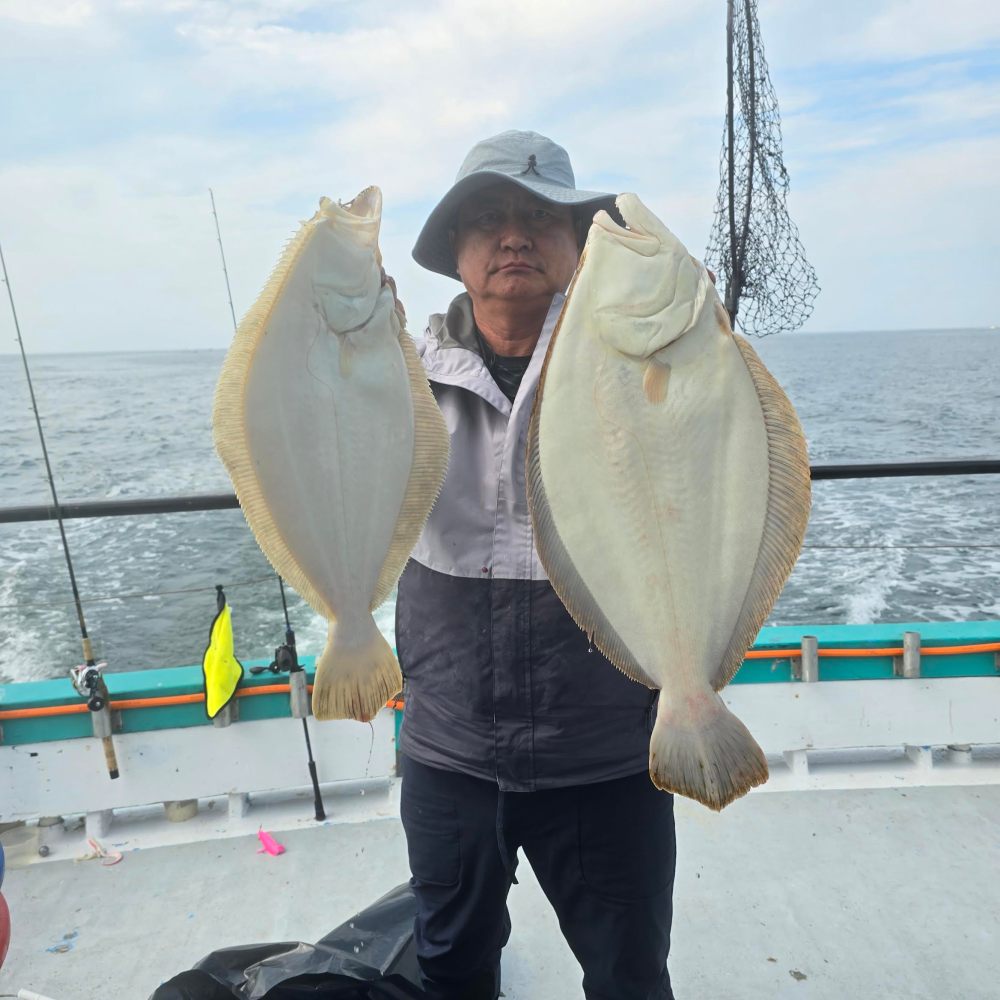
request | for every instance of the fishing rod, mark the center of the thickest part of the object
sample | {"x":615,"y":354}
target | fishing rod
{"x":286,"y":657}
{"x":86,"y":678}
{"x":222,"y":253}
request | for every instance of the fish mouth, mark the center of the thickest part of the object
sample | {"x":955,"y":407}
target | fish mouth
{"x":363,"y":207}
{"x":632,"y":235}
{"x":366,"y":203}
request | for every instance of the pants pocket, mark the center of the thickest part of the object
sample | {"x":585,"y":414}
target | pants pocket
{"x":626,"y":838}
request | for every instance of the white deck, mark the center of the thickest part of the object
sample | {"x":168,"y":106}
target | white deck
{"x":876,"y":893}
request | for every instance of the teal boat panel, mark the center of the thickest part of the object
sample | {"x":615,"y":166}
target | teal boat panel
{"x":780,"y":640}
{"x":886,"y":635}
{"x":134,"y":685}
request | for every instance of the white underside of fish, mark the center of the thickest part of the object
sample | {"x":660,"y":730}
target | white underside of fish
{"x":336,"y":448}
{"x":670,"y":494}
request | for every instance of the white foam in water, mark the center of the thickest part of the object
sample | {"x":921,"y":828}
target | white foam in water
{"x":876,"y":581}
{"x":866,"y":606}
{"x":311,"y":628}
{"x":22,"y":657}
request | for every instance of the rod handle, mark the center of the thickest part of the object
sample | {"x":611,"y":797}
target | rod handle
{"x":317,"y":798}
{"x":110,"y":758}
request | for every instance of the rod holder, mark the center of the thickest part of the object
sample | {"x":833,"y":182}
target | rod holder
{"x":227,"y":715}
{"x":908,"y":665}
{"x":100,"y":721}
{"x":298,"y":695}
{"x":806,"y":668}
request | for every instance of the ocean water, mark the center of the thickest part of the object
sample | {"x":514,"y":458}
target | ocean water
{"x":139,"y":425}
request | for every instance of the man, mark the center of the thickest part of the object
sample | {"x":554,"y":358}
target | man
{"x":517,"y":733}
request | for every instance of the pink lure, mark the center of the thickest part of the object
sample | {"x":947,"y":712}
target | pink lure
{"x":271,"y":846}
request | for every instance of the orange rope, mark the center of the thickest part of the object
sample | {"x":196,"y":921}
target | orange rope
{"x":34,"y":713}
{"x":986,"y":647}
{"x":77,"y":708}
{"x":166,"y":699}
{"x":785,"y":654}
{"x":849,"y":653}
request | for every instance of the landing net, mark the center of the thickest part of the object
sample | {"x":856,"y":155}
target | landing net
{"x":754,"y":246}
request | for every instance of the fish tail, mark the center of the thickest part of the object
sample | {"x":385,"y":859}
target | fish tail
{"x":701,"y":750}
{"x":356,"y":674}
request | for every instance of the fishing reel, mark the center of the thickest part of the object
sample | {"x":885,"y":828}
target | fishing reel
{"x":286,"y":661}
{"x":90,"y":684}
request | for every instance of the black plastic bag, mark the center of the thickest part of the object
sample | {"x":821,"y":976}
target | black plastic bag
{"x":369,"y":957}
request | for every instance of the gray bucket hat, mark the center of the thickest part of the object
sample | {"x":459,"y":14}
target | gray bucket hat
{"x":526,"y":158}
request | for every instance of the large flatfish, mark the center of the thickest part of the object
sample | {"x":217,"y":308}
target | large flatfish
{"x":325,"y":421}
{"x":669,"y":489}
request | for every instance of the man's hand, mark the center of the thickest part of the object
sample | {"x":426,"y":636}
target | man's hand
{"x":400,"y":309}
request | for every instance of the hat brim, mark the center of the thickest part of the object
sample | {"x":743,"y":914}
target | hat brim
{"x":433,"y":247}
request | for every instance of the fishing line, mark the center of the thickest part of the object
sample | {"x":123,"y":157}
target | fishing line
{"x":371,"y":748}
{"x":138,"y":596}
{"x":890,"y":548}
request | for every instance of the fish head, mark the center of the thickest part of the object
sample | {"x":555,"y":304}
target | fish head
{"x":646,"y":289}
{"x":347,"y":280}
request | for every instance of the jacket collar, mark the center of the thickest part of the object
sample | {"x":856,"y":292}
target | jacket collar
{"x":451,"y":353}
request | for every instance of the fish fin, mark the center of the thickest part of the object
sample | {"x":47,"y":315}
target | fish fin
{"x":706,"y":754}
{"x":655,"y":379}
{"x":785,"y":519}
{"x":566,"y":581}
{"x":229,"y":430}
{"x":355,"y":679}
{"x":431,"y":447}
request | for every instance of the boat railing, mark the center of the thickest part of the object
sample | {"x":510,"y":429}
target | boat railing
{"x":833,"y":706}
{"x":228,"y":501}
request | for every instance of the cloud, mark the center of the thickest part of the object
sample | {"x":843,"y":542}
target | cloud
{"x":798,"y":34}
{"x":907,"y":242}
{"x":908,"y":29}
{"x":143,"y":105}
{"x":50,"y":13}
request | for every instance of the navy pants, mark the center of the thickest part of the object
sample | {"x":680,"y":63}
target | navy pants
{"x":603,"y":854}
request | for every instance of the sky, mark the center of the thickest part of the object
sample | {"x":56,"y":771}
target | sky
{"x":117,"y":116}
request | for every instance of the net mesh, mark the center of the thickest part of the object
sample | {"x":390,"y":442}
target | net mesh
{"x":754,"y":246}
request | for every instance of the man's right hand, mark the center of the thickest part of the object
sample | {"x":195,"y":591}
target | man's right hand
{"x":391,"y":282}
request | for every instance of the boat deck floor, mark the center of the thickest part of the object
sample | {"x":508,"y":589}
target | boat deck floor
{"x":880,"y":893}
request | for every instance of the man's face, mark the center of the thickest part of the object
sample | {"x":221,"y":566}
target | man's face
{"x":511,"y":245}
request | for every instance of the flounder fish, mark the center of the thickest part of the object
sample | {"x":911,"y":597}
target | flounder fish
{"x":326,"y":424}
{"x":668,"y":482}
